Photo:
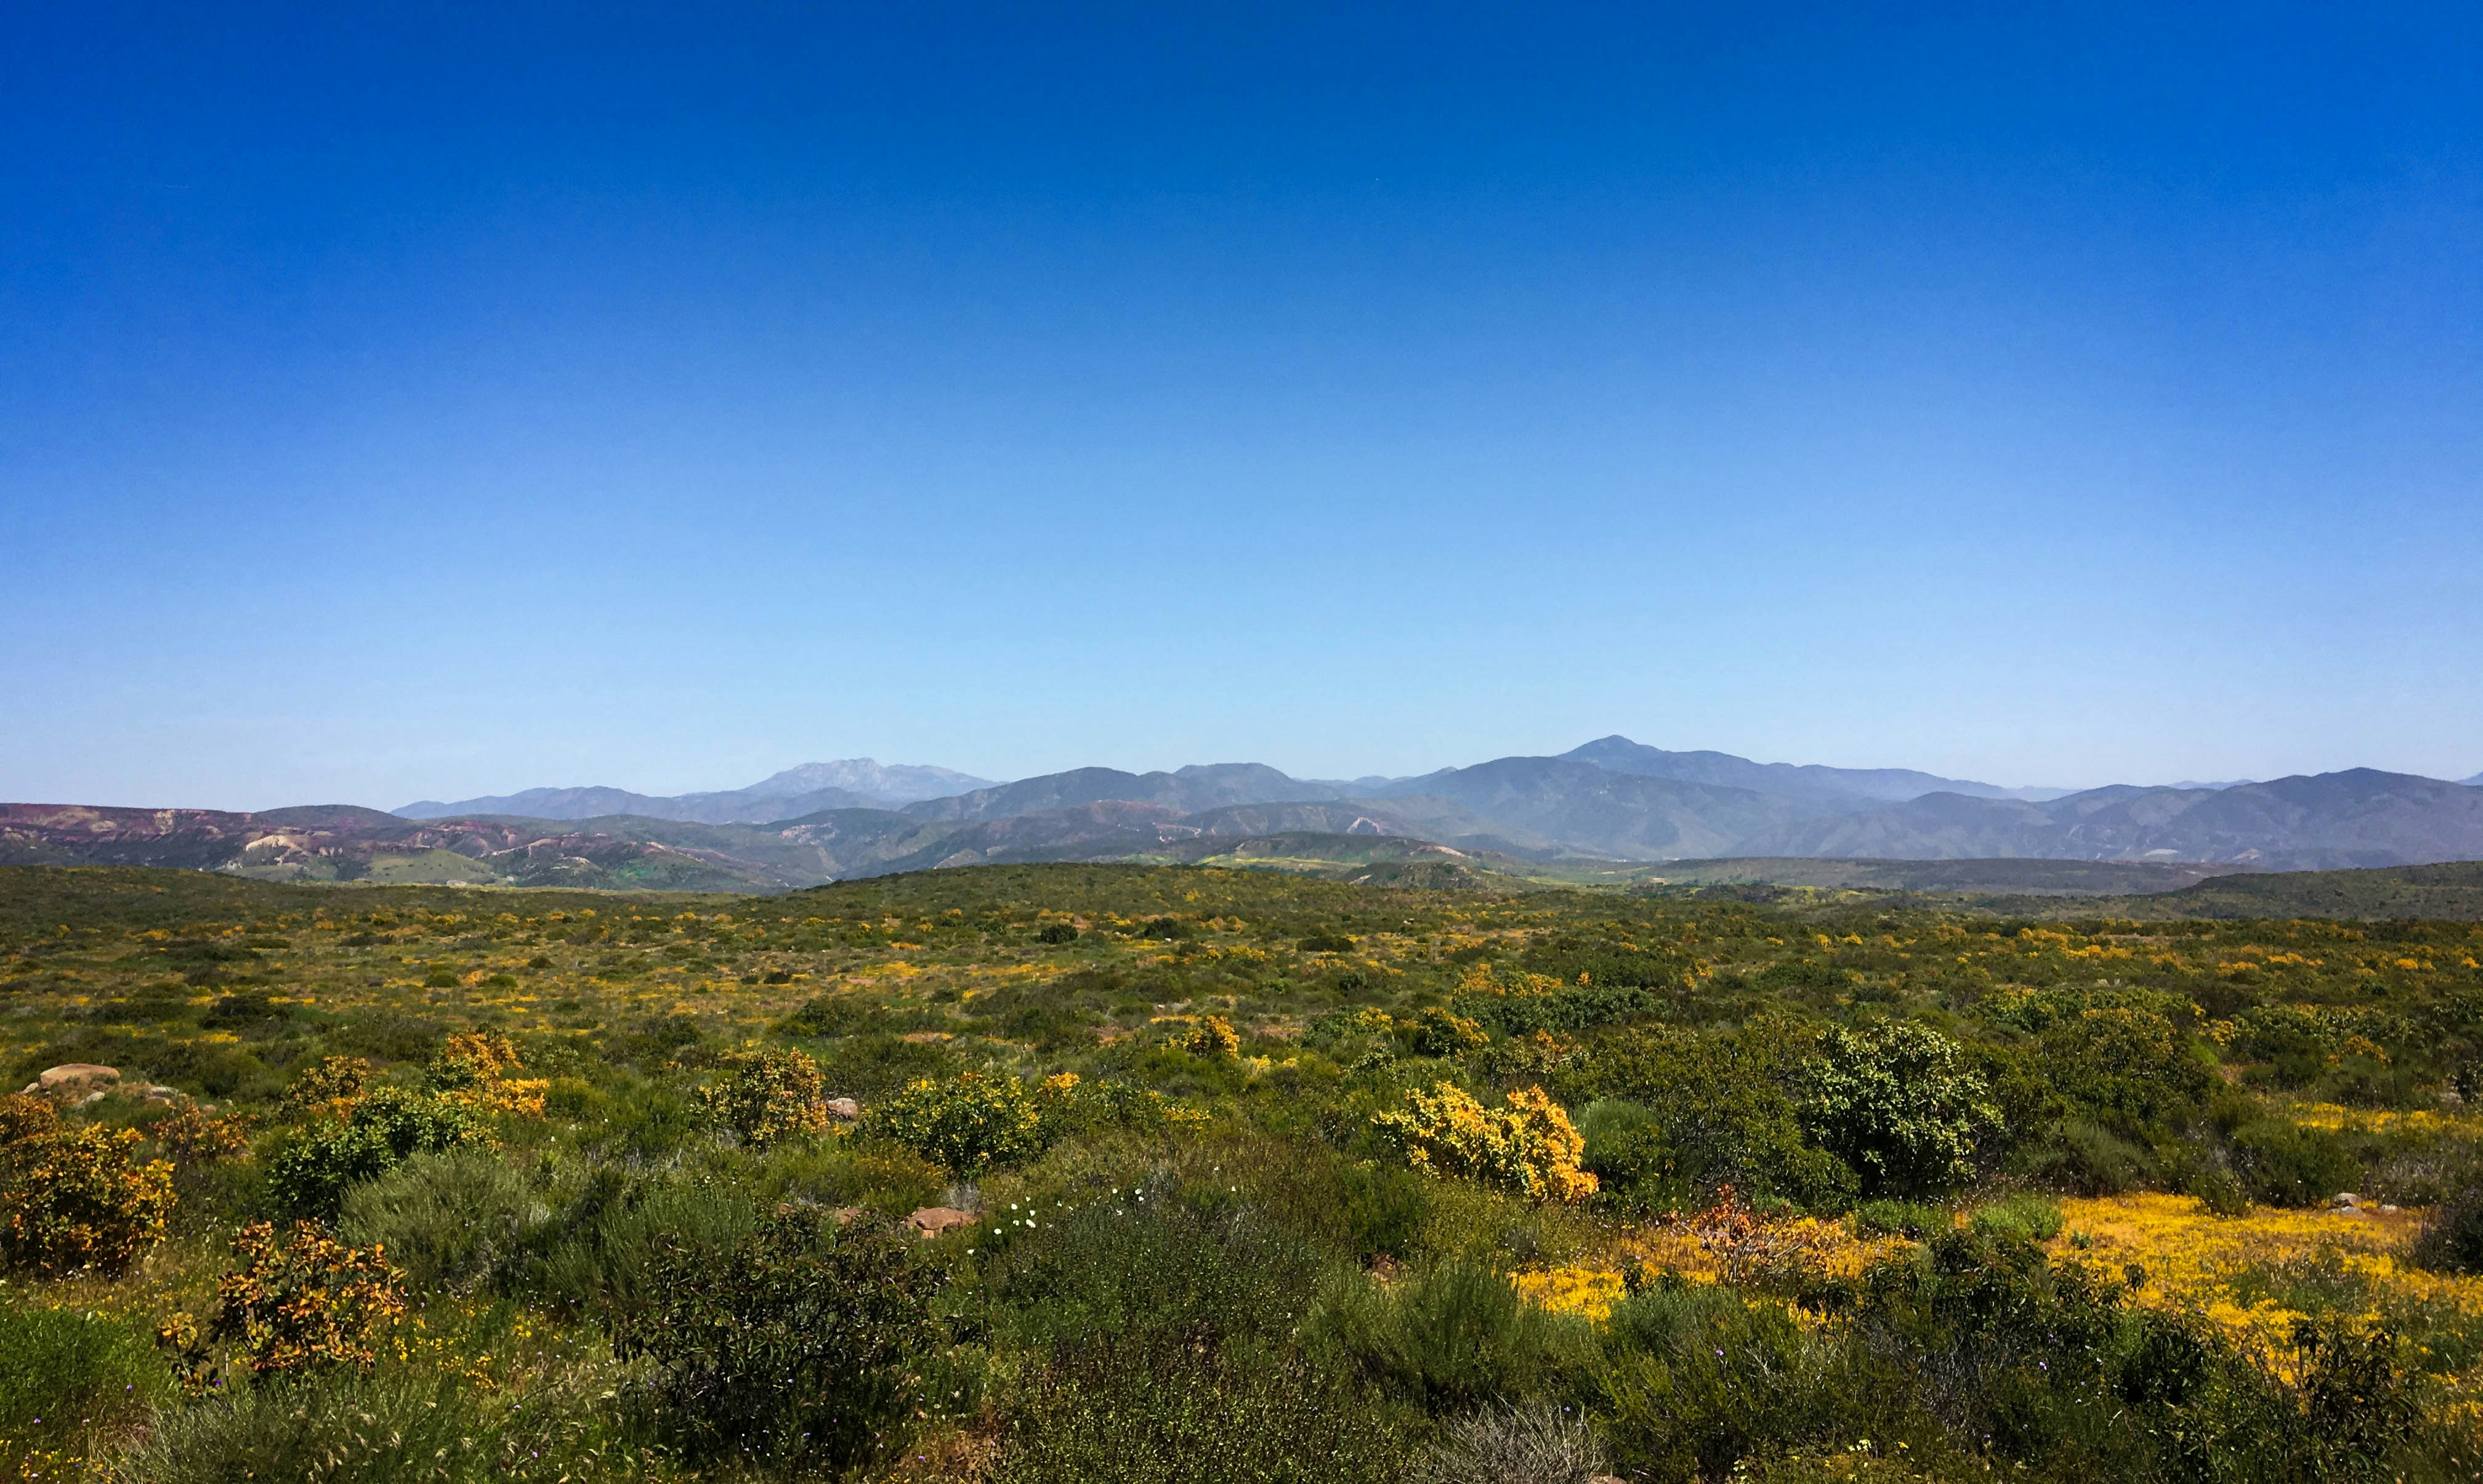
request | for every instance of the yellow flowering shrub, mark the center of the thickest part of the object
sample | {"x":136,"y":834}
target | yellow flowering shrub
{"x":75,"y":1198}
{"x":314,"y":1302}
{"x":1528,"y":1149}
{"x":1214,"y":1036}
{"x":770,"y":1096}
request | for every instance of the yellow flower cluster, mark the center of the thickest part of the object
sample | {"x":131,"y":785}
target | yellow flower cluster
{"x":2334,"y":1118}
{"x":1591,"y":1291}
{"x":1528,"y":1148}
{"x":2191,"y":1258}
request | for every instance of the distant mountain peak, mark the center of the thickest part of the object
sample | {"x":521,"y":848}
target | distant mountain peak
{"x":897,"y":782}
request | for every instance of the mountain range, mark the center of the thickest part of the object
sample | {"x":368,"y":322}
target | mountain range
{"x":854,"y":783}
{"x":1611,"y":801}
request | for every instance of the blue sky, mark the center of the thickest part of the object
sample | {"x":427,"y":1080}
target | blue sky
{"x":440,"y":400}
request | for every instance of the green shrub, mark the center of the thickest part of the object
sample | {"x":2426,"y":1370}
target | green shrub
{"x":2128,"y":1070}
{"x":2087,"y":1159}
{"x":309,"y":1172}
{"x":2029,"y":1217}
{"x":974,"y":1122}
{"x":1056,"y":932}
{"x":2284,"y":1164}
{"x":1387,"y":1209}
{"x":1158,"y":1258}
{"x":2452,"y":1236}
{"x":1691,"y":1381}
{"x":69,"y":1380}
{"x":1900,"y":1105}
{"x":1450,"y":1337}
{"x":2220,"y":1192}
{"x":603,"y":1250}
{"x":443,"y":1217}
{"x":1722,"y":1104}
{"x":803,"y":1347}
{"x":1899,"y":1218}
{"x":1628,"y":1155}
{"x":1163,"y":1411}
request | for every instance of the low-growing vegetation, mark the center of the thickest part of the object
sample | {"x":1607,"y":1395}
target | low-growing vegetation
{"x":1077,"y":1173}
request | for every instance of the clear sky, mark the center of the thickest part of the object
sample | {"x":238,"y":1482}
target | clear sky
{"x":425,"y":401}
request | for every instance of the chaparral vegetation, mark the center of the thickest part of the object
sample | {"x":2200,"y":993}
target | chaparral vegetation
{"x":1071,"y":1173}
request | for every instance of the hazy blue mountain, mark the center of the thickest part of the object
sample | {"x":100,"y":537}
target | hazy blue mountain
{"x":1186,"y":789}
{"x":903,"y":783}
{"x":1805,"y":780}
{"x":853,"y":783}
{"x":1594,"y":810}
{"x":2476,"y":781}
{"x":2359,"y":817}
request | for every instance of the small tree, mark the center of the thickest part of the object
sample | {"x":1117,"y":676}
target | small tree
{"x":972,"y":1122}
{"x":802,"y":1347}
{"x":1900,"y":1105}
{"x":1528,"y":1149}
{"x":770,"y":1096}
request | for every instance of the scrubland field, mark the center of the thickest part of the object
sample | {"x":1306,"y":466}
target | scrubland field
{"x":1165,"y":1174}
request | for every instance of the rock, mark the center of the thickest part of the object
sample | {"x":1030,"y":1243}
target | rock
{"x":72,"y":1077}
{"x":844,"y":1215}
{"x":932,"y":1220}
{"x":845,"y":1108}
{"x":2345,"y":1199}
{"x":92,"y":1099}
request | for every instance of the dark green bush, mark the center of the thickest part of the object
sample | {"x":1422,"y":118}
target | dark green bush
{"x":1056,"y":932}
{"x":1629,"y":1156}
{"x":2082,"y":1158}
{"x":443,"y":1218}
{"x":310,"y":1170}
{"x":1387,"y":1209}
{"x":1161,"y":1410}
{"x":2284,"y":1164}
{"x":803,"y":1347}
{"x":601,"y":1250}
{"x":1900,"y":1104}
{"x":2452,"y":1237}
{"x":1448,"y":1339}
